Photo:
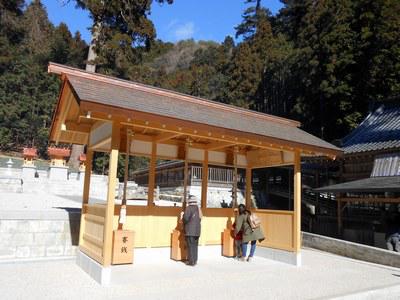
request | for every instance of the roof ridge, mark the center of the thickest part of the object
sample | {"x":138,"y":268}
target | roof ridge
{"x":59,"y":68}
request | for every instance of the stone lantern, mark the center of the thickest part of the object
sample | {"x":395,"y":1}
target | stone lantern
{"x":9,"y":166}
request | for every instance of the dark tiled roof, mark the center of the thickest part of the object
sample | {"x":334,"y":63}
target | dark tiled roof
{"x":373,"y":184}
{"x":195,"y":110}
{"x":380,"y":130}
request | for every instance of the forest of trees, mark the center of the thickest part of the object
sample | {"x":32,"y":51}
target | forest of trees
{"x":324,"y":62}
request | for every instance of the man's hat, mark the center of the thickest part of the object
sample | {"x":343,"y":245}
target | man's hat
{"x":192,"y":200}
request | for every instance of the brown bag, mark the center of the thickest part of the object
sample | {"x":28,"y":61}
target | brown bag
{"x":254,"y":221}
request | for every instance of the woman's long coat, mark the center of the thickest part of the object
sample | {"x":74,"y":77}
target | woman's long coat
{"x":248,"y":233}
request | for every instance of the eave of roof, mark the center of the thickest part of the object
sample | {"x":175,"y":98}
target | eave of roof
{"x":367,"y":185}
{"x":133,"y":96}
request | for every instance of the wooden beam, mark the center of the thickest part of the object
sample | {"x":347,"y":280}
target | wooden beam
{"x":152,"y":174}
{"x":143,"y":137}
{"x":218,"y":145}
{"x":55,"y":124}
{"x":204,"y":181}
{"x":66,"y":137}
{"x":86,"y":192}
{"x":297,"y":202}
{"x":263,"y":157}
{"x":64,"y":112}
{"x":112,"y":180}
{"x":73,"y":126}
{"x":248,"y":187}
{"x":165,"y":136}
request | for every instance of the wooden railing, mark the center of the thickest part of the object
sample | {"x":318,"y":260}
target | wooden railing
{"x":92,"y":231}
{"x":153,"y":225}
{"x":278,"y":226}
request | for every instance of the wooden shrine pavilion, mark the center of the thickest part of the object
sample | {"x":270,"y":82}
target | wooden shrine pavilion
{"x":117,"y":116}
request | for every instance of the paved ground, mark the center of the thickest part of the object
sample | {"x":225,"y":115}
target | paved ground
{"x":46,"y":202}
{"x":322,"y":276}
{"x":38,"y":201}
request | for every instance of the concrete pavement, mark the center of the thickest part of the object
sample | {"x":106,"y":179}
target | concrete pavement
{"x":322,"y":276}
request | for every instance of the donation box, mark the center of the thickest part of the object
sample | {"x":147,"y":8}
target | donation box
{"x":122,"y":247}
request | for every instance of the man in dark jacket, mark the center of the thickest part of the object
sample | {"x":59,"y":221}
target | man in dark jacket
{"x":191,"y":219}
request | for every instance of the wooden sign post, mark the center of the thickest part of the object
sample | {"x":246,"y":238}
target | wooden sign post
{"x":122,"y":247}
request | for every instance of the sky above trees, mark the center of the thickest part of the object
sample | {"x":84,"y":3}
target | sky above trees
{"x":185,"y":19}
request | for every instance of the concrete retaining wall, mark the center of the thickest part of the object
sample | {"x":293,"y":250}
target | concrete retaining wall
{"x":352,"y":250}
{"x":39,"y":235}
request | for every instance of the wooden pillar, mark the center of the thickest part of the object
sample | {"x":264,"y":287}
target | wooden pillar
{"x":88,"y":171}
{"x":297,"y":202}
{"x":185,"y":173}
{"x":152,"y":174}
{"x":248,"y":187}
{"x":178,"y":244}
{"x":204,"y":181}
{"x":126,"y":171}
{"x":235,"y":177}
{"x":86,"y":190}
{"x":112,"y":179}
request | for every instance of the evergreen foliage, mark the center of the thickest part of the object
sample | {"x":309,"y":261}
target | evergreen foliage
{"x":27,"y":93}
{"x":323,"y":62}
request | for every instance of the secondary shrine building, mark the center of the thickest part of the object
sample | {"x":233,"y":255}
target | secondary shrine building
{"x":117,"y":116}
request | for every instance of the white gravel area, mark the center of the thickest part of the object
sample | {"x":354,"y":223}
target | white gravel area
{"x":45,"y":201}
{"x":37,"y":201}
{"x":322,"y":276}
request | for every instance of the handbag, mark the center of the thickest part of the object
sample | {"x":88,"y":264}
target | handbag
{"x":254,"y":221}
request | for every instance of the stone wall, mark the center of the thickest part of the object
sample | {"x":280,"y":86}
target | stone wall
{"x":38,"y":235}
{"x":352,"y":250}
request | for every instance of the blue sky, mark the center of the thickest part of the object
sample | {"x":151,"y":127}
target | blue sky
{"x":197,"y":19}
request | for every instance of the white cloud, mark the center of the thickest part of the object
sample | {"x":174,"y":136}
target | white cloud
{"x":184,"y":31}
{"x":171,"y":24}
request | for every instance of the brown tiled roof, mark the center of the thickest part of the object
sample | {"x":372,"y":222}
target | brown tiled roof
{"x":133,"y":96}
{"x":29,"y":152}
{"x":60,"y":152}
